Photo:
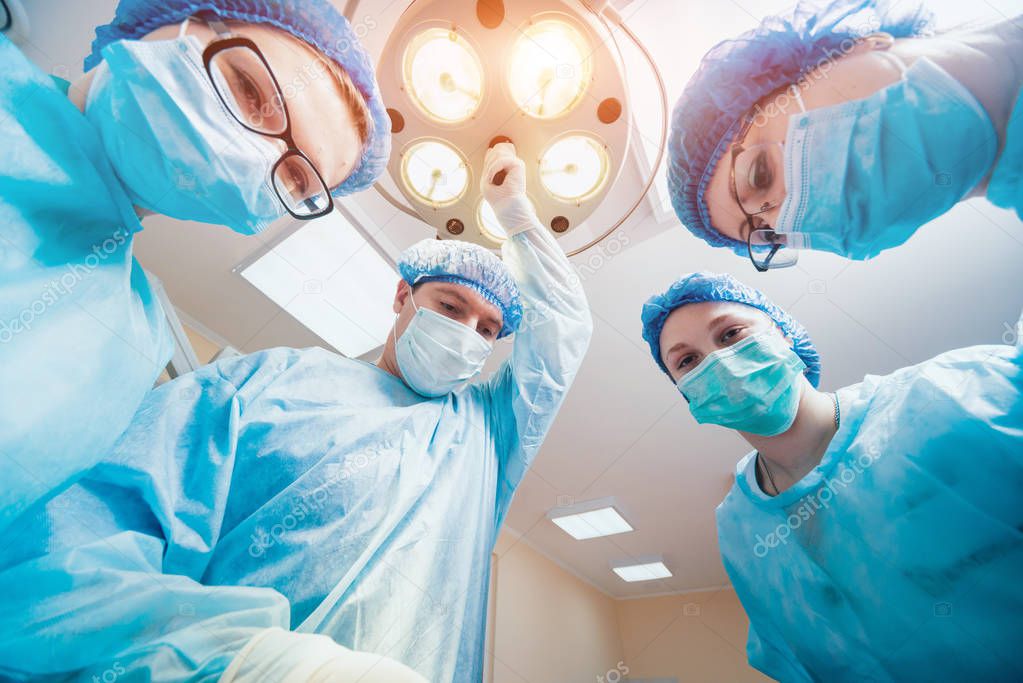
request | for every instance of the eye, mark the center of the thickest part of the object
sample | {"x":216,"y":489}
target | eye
{"x":447,"y":307}
{"x":761,"y":175}
{"x":301,"y":182}
{"x":731,"y":335}
{"x":685,"y":362}
{"x":247,"y":92}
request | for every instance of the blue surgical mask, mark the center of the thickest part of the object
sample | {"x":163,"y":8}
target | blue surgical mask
{"x":436,"y":354}
{"x":862,"y":176}
{"x":173,"y":144}
{"x":752,"y":386}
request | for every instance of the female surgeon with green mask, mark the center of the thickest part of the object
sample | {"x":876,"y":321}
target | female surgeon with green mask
{"x":845,"y":127}
{"x":229,"y":113}
{"x":862,"y":516}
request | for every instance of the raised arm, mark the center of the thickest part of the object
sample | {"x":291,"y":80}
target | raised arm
{"x":555,"y":330}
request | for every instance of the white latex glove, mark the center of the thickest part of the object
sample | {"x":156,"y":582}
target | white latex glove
{"x":512,"y":207}
{"x":278,"y":656}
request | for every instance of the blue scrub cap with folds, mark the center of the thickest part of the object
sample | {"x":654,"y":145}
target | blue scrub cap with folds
{"x":317,"y":22}
{"x":467,"y":264}
{"x":736,"y":74}
{"x":699,"y":287}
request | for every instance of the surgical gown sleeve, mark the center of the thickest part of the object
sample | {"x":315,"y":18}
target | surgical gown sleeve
{"x":548,"y":350}
{"x":1006,"y":186}
{"x":82,"y":337}
{"x":108,"y":576}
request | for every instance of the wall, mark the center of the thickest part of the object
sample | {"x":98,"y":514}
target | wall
{"x":550,"y":627}
{"x":693,"y":637}
{"x":205,"y":349}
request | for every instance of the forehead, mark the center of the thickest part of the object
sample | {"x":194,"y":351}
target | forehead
{"x":725,"y":215}
{"x":691,"y":323}
{"x":463,"y":294}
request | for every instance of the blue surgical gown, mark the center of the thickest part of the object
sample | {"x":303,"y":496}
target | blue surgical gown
{"x":297,"y":489}
{"x":82,"y":337}
{"x":900,"y":557}
{"x":1005,"y":188}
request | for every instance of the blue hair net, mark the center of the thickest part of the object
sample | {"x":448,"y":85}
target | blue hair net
{"x":317,"y":22}
{"x":467,"y":264}
{"x":699,"y":287}
{"x":735,"y":74}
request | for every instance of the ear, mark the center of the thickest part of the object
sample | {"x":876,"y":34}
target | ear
{"x":401,"y":296}
{"x":875,"y":41}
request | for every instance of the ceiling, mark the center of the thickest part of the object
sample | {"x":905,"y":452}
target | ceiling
{"x":624,"y":431}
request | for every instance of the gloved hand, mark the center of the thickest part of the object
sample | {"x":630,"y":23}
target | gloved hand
{"x":275,"y":654}
{"x":514,"y":211}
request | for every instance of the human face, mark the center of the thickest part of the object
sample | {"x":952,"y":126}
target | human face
{"x":694,"y":331}
{"x":858,"y":74}
{"x":322,"y":124}
{"x":461,"y":304}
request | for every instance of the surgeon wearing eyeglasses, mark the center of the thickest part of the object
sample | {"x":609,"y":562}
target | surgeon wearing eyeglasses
{"x":865,"y":516}
{"x":810,"y":132}
{"x":233,"y":117}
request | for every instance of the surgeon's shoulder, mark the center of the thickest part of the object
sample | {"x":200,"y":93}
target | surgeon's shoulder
{"x":738,"y":495}
{"x":951,"y":373}
{"x":269,"y":364}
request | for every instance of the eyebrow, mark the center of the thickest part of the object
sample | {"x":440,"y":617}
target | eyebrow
{"x":711,"y":325}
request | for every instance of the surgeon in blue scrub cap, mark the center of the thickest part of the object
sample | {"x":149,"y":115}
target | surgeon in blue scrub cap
{"x":845,"y":127}
{"x":264,"y":501}
{"x":874,"y":533}
{"x":230,"y":112}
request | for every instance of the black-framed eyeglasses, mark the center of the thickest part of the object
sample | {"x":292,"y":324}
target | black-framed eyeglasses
{"x":6,"y":19}
{"x":758,"y":187}
{"x":249,"y":90}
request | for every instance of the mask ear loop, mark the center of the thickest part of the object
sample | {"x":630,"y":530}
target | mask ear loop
{"x":892,"y":57}
{"x":184,"y":28}
{"x":797,"y":96}
{"x":394,"y":326}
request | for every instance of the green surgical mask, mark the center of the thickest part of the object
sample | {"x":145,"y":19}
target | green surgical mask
{"x":751,"y":386}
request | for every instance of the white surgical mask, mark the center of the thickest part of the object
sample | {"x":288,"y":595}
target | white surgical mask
{"x":436,"y":354}
{"x":172,"y":142}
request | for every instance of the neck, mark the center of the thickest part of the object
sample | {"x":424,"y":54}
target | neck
{"x":388,"y":361}
{"x":792,"y":455}
{"x":78,"y":90}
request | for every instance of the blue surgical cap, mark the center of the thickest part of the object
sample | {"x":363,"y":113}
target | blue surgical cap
{"x":736,"y":74}
{"x":699,"y":287}
{"x":317,"y":22}
{"x":467,"y":264}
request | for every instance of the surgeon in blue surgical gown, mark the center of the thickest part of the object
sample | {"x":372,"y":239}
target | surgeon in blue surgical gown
{"x":875,"y":533}
{"x":82,"y":335}
{"x":306,"y":491}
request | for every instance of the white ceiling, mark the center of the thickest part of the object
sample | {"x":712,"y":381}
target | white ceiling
{"x":623,"y":431}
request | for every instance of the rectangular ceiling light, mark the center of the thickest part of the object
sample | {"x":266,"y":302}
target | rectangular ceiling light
{"x":329,"y":278}
{"x":645,"y":571}
{"x":591,"y":519}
